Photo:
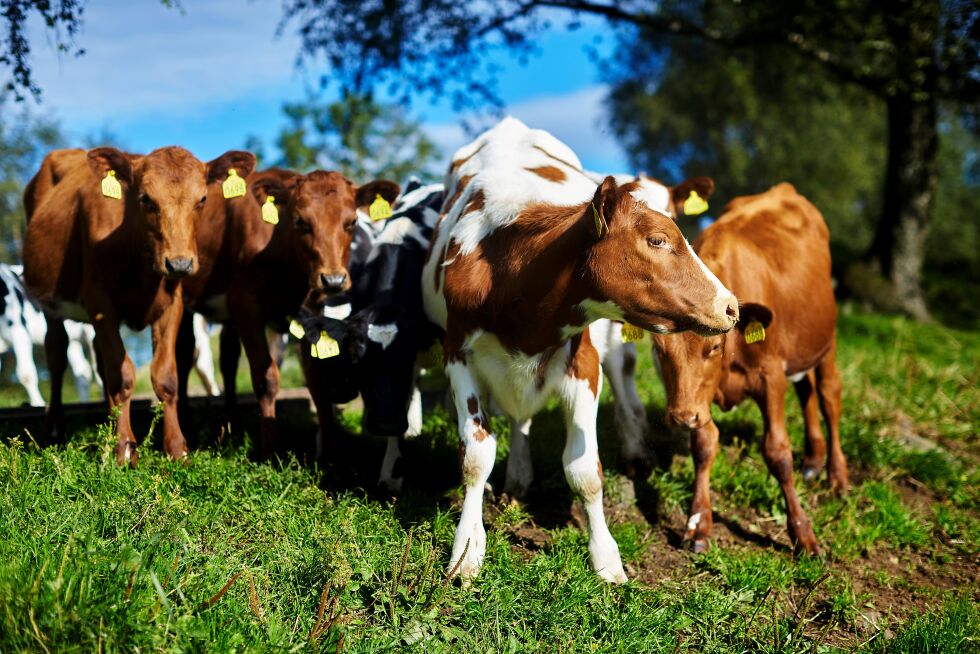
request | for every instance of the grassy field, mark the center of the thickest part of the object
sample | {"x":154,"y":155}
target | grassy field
{"x":224,"y":554}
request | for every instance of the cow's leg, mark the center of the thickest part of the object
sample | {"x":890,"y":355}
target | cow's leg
{"x":119,"y":378}
{"x":229,"y":352}
{"x":390,"y":476}
{"x":520,"y":469}
{"x":704,"y":447}
{"x":55,"y":350}
{"x":816,"y":446}
{"x":88,"y":336}
{"x":265,"y":380}
{"x":203,"y":357}
{"x":23,"y":349}
{"x":81,"y":369}
{"x":163,"y":374}
{"x":478,"y":449}
{"x":779,"y":458}
{"x":184,"y":355}
{"x":619,"y":365}
{"x":583,"y":469}
{"x":829,"y":390}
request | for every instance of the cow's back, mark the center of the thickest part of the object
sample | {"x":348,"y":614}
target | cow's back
{"x":55,"y":167}
{"x":489,"y":183}
{"x":774,"y":249}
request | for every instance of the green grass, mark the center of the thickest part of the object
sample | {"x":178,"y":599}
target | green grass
{"x":225,"y":554}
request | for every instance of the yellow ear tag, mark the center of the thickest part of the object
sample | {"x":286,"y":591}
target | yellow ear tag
{"x":600,"y":225}
{"x":325,"y":348}
{"x":755,"y":332}
{"x":270,"y":213}
{"x":632,"y":333}
{"x":111,"y":188}
{"x":234,"y":186}
{"x":431,"y":358}
{"x":694,"y":204}
{"x":296,"y":329}
{"x":379,"y":209}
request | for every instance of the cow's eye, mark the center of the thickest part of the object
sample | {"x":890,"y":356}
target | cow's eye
{"x":200,"y":203}
{"x":147,"y":202}
{"x":303,"y":226}
{"x":349,"y":227}
{"x":658,"y":241}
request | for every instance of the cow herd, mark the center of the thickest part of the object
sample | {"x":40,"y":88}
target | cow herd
{"x":526,"y":269}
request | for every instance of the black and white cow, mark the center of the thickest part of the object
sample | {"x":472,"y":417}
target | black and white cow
{"x":22,"y":326}
{"x":383,"y":332}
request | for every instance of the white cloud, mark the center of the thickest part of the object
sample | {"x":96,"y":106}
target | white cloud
{"x":579,"y":119}
{"x":142,"y":58}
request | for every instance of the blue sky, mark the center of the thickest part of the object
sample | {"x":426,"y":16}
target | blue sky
{"x":211,"y":75}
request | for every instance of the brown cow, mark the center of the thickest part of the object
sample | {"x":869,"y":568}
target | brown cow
{"x":109,"y":261}
{"x":256,"y":274}
{"x":773,"y":251}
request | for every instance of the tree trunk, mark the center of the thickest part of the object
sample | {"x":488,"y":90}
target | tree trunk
{"x":910,"y":186}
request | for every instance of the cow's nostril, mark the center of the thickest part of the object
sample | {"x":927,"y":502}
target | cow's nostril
{"x":179,"y":266}
{"x":730,"y":311}
{"x":333,"y":282}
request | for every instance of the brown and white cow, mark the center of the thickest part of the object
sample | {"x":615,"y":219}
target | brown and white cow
{"x":527,"y":254}
{"x":773,"y":251}
{"x":109,"y":261}
{"x":256,"y":274}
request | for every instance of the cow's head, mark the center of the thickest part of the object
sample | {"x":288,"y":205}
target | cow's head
{"x":167,"y":189}
{"x":694,"y":368}
{"x":670,"y":199}
{"x":322,"y":212}
{"x":640,"y":261}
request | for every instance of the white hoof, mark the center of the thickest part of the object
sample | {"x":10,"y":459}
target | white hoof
{"x":472,"y":550}
{"x":606,"y":561}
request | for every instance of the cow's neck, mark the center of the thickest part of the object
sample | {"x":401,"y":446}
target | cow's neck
{"x":541,"y":261}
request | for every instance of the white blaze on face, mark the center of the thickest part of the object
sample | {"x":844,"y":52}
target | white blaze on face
{"x":722,"y":295}
{"x":383,"y":335}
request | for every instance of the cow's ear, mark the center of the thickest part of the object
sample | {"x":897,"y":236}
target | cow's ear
{"x":102,"y":160}
{"x":243,"y":163}
{"x":366,"y":194}
{"x":600,"y":212}
{"x":680,"y":195}
{"x":751,"y":312}
{"x":266,"y":186}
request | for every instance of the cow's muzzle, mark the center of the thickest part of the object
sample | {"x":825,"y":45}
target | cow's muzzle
{"x":334,"y":282}
{"x":177,"y":267}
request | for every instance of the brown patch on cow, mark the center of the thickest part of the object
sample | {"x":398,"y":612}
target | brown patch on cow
{"x":602,"y":476}
{"x":549,"y":173}
{"x":454,"y":166}
{"x":482,"y":429}
{"x":584,"y":363}
{"x":541,"y":375}
{"x":473,"y":405}
{"x":558,"y":159}
{"x":461,"y":185}
{"x":476,"y":202}
{"x":437,"y":269}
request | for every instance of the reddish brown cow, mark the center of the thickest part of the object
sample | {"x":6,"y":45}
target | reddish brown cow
{"x":111,"y":261}
{"x":773,"y":251}
{"x":256,"y":274}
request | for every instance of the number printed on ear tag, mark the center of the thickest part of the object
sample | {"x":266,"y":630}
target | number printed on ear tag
{"x":755,"y":332}
{"x":379,"y":209}
{"x":111,"y":188}
{"x":234,"y":186}
{"x":270,"y":213}
{"x":632,"y":333}
{"x":325,"y":348}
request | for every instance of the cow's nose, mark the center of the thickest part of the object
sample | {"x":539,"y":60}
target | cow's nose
{"x":688,"y":419}
{"x":179,"y":266}
{"x":333,"y":282}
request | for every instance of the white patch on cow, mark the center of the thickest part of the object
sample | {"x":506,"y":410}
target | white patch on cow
{"x":501,"y":172}
{"x":653,"y":194}
{"x":384,"y":335}
{"x":693,"y":522}
{"x":395,"y":233}
{"x":797,"y":377}
{"x":339,"y":312}
{"x":387,"y":476}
